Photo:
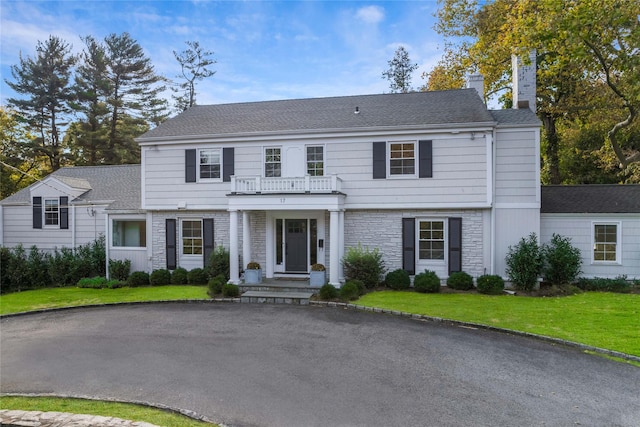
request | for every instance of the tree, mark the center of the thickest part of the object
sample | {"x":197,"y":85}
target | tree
{"x":18,"y":167}
{"x":399,"y":72}
{"x":193,"y":67}
{"x":45,"y":82}
{"x":133,"y":96}
{"x":581,"y":45}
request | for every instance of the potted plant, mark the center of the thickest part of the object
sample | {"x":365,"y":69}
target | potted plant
{"x":317,"y":277}
{"x":253,"y":273}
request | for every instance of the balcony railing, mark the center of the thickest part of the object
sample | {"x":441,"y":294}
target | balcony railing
{"x":303,"y":184}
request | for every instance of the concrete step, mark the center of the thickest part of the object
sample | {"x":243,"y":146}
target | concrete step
{"x":278,"y":297}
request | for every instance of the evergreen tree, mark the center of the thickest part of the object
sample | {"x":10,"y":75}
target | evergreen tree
{"x":193,"y":67}
{"x":45,"y":83}
{"x":399,"y":72}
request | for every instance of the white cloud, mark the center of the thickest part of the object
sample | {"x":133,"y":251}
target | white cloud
{"x":370,"y":14}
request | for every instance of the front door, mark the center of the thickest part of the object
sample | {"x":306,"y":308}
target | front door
{"x":296,"y":245}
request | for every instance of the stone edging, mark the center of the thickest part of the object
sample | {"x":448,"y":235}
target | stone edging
{"x":552,"y":340}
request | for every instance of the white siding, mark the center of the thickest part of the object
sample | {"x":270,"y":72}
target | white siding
{"x":517,"y":166}
{"x":138,"y":257}
{"x":511,"y":225}
{"x":579,"y":228}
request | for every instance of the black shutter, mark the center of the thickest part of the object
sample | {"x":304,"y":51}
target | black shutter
{"x":425,"y":160}
{"x":227,"y":164}
{"x":207,"y":239}
{"x":64,"y":213}
{"x":455,"y":245}
{"x":409,"y":245}
{"x":190,"y":165}
{"x":379,"y":160}
{"x":171,"y":244}
{"x":37,"y":212}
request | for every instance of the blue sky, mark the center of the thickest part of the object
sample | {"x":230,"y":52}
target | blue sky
{"x":264,"y":50}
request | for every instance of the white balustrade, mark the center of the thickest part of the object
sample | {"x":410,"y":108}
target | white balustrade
{"x":304,"y":184}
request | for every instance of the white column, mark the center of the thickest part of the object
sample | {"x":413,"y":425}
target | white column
{"x":233,"y":248}
{"x":246,"y":239}
{"x":341,"y":243}
{"x":334,"y":262}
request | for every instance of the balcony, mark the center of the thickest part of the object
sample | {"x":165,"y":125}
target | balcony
{"x":285,"y":185}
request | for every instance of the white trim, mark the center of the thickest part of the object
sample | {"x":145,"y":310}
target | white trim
{"x":618,"y":260}
{"x":143,"y":174}
{"x":517,"y":205}
{"x":489,"y":162}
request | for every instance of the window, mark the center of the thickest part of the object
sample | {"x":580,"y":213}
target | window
{"x":272,"y":162}
{"x":129,"y":233}
{"x":315,"y":161}
{"x":51,"y":212}
{"x":402,"y":158}
{"x":431,"y":240}
{"x":191,"y":237}
{"x":605,"y":242}
{"x":210,"y":165}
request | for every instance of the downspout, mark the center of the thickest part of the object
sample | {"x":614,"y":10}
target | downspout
{"x":492,"y":201}
{"x":73,"y":226}
{"x":107,"y":239}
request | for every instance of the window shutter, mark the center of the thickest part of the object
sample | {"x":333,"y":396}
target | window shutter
{"x":207,"y":239}
{"x":425,"y":153}
{"x":190,"y":165}
{"x":228,"y":165}
{"x":379,"y":160}
{"x":409,"y":245}
{"x":455,"y":245}
{"x":64,"y":212}
{"x":37,"y":212}
{"x":171,"y":244}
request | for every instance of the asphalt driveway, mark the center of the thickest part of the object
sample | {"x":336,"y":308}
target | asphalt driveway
{"x":260,"y":365}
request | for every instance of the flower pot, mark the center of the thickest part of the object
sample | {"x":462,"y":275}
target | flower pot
{"x":253,"y":276}
{"x":317,"y":278}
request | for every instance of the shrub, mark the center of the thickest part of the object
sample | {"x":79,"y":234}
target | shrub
{"x":460,"y":281}
{"x":219,"y":263}
{"x":61,"y":267}
{"x":38,"y":269}
{"x":93,"y":282}
{"x":562,"y":261}
{"x":398,"y":279}
{"x":328,"y":292}
{"x":490,"y":284}
{"x":364,"y":265}
{"x":349,"y":291}
{"x":317,"y":267}
{"x":253,"y":266}
{"x":230,"y":290}
{"x":215,"y":285}
{"x":119,"y":269}
{"x":427,"y":282}
{"x":524,"y":263}
{"x":619,"y":284}
{"x":360,"y":285}
{"x":160,"y":277}
{"x":138,"y":278}
{"x":179,"y":276}
{"x":197,"y":276}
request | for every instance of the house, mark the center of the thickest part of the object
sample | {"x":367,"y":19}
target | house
{"x":603,"y":221}
{"x":70,"y":207}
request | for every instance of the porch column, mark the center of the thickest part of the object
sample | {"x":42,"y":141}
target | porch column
{"x":233,"y":248}
{"x":341,"y":245}
{"x":246,"y":239}
{"x":334,"y":257}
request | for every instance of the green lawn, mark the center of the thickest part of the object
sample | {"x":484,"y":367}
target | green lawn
{"x":599,"y":319}
{"x":125,"y":411}
{"x":70,"y":297}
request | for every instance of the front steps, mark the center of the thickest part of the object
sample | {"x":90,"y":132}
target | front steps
{"x":277,"y":292}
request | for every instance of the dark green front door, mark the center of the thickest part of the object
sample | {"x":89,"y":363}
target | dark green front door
{"x":296,"y":245}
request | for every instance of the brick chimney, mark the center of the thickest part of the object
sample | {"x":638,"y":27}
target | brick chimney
{"x":476,"y":81}
{"x":524,"y":82}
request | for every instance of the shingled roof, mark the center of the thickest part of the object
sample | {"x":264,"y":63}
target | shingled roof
{"x":590,"y":199}
{"x":461,"y":107}
{"x":119,"y":184}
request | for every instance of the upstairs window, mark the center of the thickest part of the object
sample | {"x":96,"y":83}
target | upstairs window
{"x":431,"y":240}
{"x":51,"y":212}
{"x":210,"y":164}
{"x":272,"y":162}
{"x":402,"y":158}
{"x":606,"y":242}
{"x":315,"y":161}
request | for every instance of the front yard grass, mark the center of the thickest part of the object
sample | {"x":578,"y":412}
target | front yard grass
{"x":70,"y":297}
{"x":600,"y":319}
{"x":125,"y":411}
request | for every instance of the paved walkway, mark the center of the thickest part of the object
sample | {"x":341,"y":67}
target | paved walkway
{"x":11,"y":418}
